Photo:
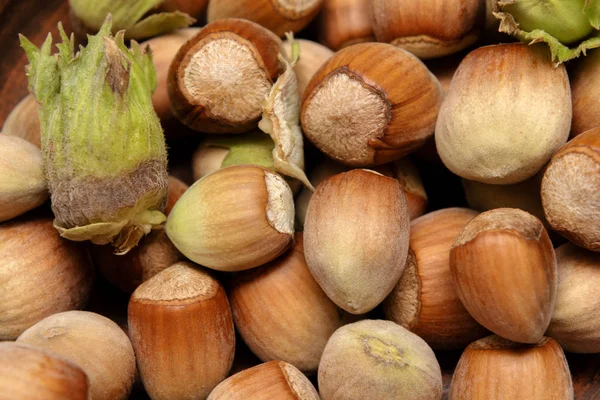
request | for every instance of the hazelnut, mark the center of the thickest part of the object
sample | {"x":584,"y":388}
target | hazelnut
{"x":279,"y":16}
{"x":22,"y":182}
{"x":370,"y":104}
{"x":94,"y":343}
{"x":356,"y":238}
{"x":486,"y":131}
{"x":585,"y":79}
{"x":154,"y":253}
{"x":272,"y":380}
{"x":570,"y":190}
{"x":574,"y":322}
{"x":425,"y":301}
{"x":504,"y":269}
{"x":345,"y":22}
{"x":237,"y":218}
{"x":312,"y":56}
{"x":494,"y":368}
{"x":163,"y":49}
{"x":28,"y":373}
{"x":428,"y":28}
{"x":219,"y":78}
{"x":176,"y":189}
{"x":375,"y":359}
{"x":182,"y":332}
{"x":24,"y":122}
{"x":41,"y":274}
{"x":297,"y":326}
{"x":193,"y":8}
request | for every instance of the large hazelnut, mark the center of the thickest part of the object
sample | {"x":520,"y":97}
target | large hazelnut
{"x":42,"y":274}
{"x":486,"y":131}
{"x":425,"y":301}
{"x":181,"y":328}
{"x":296,"y":327}
{"x":494,"y":368}
{"x":575,"y":324}
{"x":375,"y":359}
{"x":370,"y":104}
{"x":356,"y":238}
{"x":94,"y":343}
{"x":570,"y":190}
{"x":504,"y":269}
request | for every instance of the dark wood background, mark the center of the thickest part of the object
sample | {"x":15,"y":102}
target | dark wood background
{"x":35,"y":18}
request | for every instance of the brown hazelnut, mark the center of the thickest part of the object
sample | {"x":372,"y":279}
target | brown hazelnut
{"x":296,"y":327}
{"x":575,"y":323}
{"x":42,"y":274}
{"x":94,"y":343}
{"x":370,"y":104}
{"x":356,"y":238}
{"x":28,"y":373}
{"x":494,"y":368}
{"x":345,"y":22}
{"x":425,"y":301}
{"x":279,"y":16}
{"x":23,"y":121}
{"x":504,"y":269}
{"x":181,"y":328}
{"x":570,"y":190}
{"x":219,"y":79}
{"x":272,"y":380}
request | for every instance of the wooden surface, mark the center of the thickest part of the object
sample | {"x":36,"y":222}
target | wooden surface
{"x":35,"y":18}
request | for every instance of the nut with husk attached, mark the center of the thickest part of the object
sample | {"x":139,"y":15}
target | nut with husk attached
{"x":494,"y":368}
{"x":106,"y":169}
{"x":568,"y":27}
{"x":88,"y":17}
{"x":22,"y":183}
{"x":237,"y":218}
{"x":375,"y":359}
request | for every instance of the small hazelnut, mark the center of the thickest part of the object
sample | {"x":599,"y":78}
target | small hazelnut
{"x":218,"y":80}
{"x":312,"y":56}
{"x":94,"y":343}
{"x":42,"y":274}
{"x":575,"y":324}
{"x":271,"y":380}
{"x":375,"y":359}
{"x":428,"y":28}
{"x":279,"y":16}
{"x":585,"y":79}
{"x":236,"y":218}
{"x":345,"y":22}
{"x":494,"y":368}
{"x":296,"y":327}
{"x":425,"y":301}
{"x":504,"y":269}
{"x":181,"y":328}
{"x":485,"y":129}
{"x":23,"y":121}
{"x":28,"y":373}
{"x":370,"y":104}
{"x":570,"y":190}
{"x":176,"y":189}
{"x":356,"y":238}
{"x":22,"y":182}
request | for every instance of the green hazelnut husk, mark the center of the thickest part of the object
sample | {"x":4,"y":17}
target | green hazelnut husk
{"x":103,"y":149}
{"x":88,"y":17}
{"x":568,"y":27}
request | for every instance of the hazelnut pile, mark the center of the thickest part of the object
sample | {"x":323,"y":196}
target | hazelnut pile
{"x":402,"y":202}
